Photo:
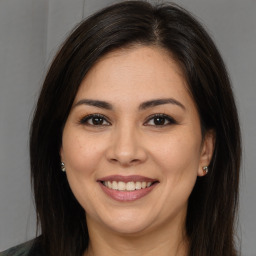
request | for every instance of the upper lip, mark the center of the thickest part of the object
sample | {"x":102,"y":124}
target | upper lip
{"x":133,"y":178}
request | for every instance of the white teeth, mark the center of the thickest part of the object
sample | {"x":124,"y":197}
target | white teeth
{"x":114,"y":185}
{"x":138,"y":185}
{"x":129,"y":186}
{"x":109,"y":184}
{"x":121,"y":185}
{"x":143,"y":184}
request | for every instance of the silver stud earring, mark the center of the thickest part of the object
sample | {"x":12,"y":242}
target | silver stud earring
{"x":205,"y":169}
{"x":62,"y":166}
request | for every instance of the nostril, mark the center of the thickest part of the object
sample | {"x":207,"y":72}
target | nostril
{"x":135,"y":160}
{"x":125,"y":161}
{"x":126,"y":155}
{"x":113,"y":160}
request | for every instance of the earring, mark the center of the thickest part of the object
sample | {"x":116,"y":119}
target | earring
{"x":62,"y":166}
{"x":205,"y":169}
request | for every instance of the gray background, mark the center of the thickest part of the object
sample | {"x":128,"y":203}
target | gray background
{"x":30,"y":32}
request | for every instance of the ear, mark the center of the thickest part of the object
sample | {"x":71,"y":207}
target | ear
{"x":207,"y":150}
{"x":61,"y":154}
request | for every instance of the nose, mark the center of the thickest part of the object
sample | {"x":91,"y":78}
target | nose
{"x":126,"y":147}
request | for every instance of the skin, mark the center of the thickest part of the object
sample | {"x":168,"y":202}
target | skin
{"x":128,"y":142}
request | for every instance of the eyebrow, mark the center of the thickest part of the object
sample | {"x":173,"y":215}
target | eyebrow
{"x":95,"y":103}
{"x":142,"y":106}
{"x":157,"y":102}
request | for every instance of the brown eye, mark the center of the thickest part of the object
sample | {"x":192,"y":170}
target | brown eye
{"x":160,"y":120}
{"x":95,"y":120}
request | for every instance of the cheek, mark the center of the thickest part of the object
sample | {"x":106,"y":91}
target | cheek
{"x":179,"y":161}
{"x":177,"y":154}
{"x":81,"y":154}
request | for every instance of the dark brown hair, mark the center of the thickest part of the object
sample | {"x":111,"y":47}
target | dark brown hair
{"x":212,"y":207}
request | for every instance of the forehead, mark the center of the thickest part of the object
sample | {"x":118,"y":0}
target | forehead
{"x":142,"y":72}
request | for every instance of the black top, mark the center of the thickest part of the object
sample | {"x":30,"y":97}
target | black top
{"x":30,"y":248}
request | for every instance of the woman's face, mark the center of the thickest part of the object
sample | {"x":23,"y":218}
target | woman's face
{"x":132,"y":143}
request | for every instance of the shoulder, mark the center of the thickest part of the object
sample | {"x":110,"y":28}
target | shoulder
{"x":30,"y":248}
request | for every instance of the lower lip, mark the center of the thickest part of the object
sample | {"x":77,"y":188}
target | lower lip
{"x":125,"y":196}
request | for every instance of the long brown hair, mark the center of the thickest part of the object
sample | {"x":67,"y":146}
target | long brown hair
{"x":212,"y":206}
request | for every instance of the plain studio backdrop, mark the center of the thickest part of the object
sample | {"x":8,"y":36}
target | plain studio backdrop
{"x":30,"y":32}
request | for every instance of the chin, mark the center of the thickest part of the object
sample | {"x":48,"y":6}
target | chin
{"x":128,"y":229}
{"x":129,"y":223}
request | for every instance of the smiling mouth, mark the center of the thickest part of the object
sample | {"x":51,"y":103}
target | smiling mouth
{"x":127,"y":186}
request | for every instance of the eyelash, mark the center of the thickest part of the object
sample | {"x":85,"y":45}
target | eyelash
{"x":85,"y":120}
{"x":167,"y":118}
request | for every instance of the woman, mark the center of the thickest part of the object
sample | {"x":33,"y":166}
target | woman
{"x":138,"y":113}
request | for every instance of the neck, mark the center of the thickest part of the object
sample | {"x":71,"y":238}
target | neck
{"x":164,"y":241}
